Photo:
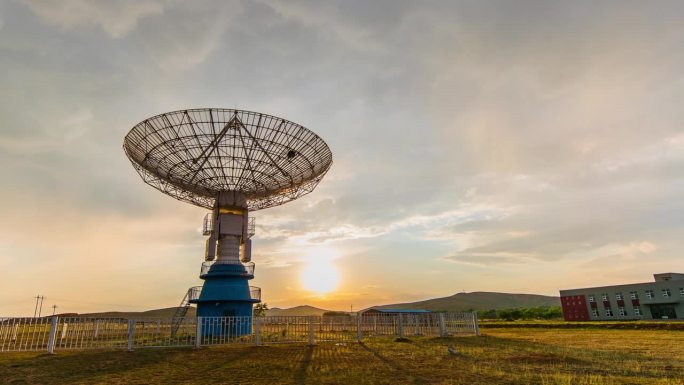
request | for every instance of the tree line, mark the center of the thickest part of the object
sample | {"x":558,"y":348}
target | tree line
{"x":523,"y":313}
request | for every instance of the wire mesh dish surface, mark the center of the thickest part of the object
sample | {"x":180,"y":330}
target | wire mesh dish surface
{"x":194,"y":154}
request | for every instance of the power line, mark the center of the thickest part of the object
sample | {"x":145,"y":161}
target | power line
{"x":35,"y":310}
{"x":41,"y":298}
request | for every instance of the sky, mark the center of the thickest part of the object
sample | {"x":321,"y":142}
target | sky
{"x":511,"y":146}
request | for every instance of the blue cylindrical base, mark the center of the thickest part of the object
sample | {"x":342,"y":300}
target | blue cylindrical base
{"x":225,"y":293}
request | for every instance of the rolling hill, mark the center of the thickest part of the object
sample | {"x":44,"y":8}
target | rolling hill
{"x":157,"y":313}
{"x":296,"y":311}
{"x":478,"y":300}
{"x":303,"y":310}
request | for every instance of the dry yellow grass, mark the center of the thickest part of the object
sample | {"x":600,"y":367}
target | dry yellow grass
{"x":501,"y":356}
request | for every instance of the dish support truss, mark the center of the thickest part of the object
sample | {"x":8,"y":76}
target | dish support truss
{"x":193,"y":155}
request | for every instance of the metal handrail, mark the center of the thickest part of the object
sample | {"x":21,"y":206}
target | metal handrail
{"x":194,"y":293}
{"x":65,"y":333}
{"x":251,"y":227}
{"x":208,"y":224}
{"x":249,"y":267}
{"x":255,"y":293}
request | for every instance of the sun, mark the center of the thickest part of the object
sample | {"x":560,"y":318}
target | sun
{"x":320,"y":277}
{"x":320,"y":274}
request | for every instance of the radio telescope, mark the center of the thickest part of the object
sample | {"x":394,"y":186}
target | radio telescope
{"x":231,"y":162}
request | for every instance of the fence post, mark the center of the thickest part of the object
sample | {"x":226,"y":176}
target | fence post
{"x":476,"y":327}
{"x":442,"y":325}
{"x":65,"y":331}
{"x":257,"y":331}
{"x":359,"y":331}
{"x":96,"y":332}
{"x":311,"y":330}
{"x":131,"y":332}
{"x":401,"y":326}
{"x":198,"y":333}
{"x":53,"y":335}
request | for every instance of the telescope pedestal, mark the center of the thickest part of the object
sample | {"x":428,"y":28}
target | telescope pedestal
{"x":226,"y":293}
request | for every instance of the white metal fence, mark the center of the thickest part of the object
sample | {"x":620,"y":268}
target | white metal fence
{"x":57,"y":333}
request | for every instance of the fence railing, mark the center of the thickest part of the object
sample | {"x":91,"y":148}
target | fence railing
{"x":194,"y":293}
{"x":255,"y":293}
{"x":249,"y":267}
{"x":61,"y":333}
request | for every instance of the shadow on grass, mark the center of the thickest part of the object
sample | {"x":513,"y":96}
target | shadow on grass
{"x":300,"y":374}
{"x":576,"y":359}
{"x":79,"y":366}
{"x":396,"y":366}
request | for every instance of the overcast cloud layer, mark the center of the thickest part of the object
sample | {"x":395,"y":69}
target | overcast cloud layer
{"x":523,"y":146}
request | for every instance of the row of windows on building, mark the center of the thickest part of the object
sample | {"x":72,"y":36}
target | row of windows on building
{"x":621,"y":311}
{"x":650,"y":294}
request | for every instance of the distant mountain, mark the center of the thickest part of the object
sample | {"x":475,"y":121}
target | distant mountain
{"x":157,"y":313}
{"x":479,"y":300}
{"x":169,"y":312}
{"x":295,"y":311}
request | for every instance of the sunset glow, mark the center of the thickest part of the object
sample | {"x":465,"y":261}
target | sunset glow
{"x":320,"y":274}
{"x":320,"y":277}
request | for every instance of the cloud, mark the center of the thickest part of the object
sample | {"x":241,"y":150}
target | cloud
{"x":529,"y":143}
{"x":57,"y":135}
{"x":197,"y":32}
{"x":116,"y":19}
{"x":324,"y":229}
{"x":491,"y":258}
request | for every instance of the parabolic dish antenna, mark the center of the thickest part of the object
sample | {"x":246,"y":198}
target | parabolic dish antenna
{"x":192,"y":155}
{"x":232,"y":162}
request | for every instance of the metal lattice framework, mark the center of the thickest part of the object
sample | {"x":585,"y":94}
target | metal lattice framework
{"x":194,"y":154}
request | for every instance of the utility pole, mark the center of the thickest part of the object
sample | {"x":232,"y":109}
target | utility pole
{"x":54,"y":307}
{"x":41,"y":305}
{"x":36,"y":309}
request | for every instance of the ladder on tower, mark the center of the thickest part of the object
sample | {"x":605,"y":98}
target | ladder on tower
{"x":181,"y":311}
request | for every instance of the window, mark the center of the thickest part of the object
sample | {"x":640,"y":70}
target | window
{"x":637,"y":311}
{"x":609,"y":312}
{"x":649,"y":294}
{"x":634,"y":295}
{"x":667,"y":293}
{"x":593,"y":299}
{"x":681,"y":291}
{"x":594,"y":312}
{"x":622,"y":311}
{"x":604,"y":296}
{"x":618,"y":296}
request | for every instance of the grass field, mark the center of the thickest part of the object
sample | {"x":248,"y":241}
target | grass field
{"x":559,"y":324}
{"x":500,"y":356}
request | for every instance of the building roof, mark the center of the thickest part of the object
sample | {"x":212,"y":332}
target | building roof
{"x":398,"y":310}
{"x":668,"y":276}
{"x":657,"y":278}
